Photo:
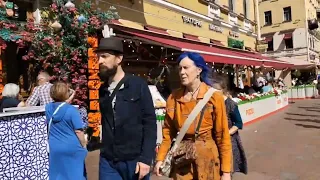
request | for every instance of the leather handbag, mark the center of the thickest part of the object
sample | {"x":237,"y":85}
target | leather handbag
{"x":186,"y":152}
{"x":185,"y":155}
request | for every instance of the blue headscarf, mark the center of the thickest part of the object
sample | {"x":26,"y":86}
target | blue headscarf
{"x":199,"y":62}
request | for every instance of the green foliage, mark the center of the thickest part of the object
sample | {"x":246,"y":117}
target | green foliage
{"x":235,"y":43}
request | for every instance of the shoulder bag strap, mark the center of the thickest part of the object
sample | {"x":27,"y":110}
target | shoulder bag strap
{"x":192,"y":116}
{"x":200,"y":121}
{"x":55,"y":112}
{"x":116,"y":89}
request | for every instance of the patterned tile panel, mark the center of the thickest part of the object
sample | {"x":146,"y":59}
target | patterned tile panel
{"x":23,"y":153}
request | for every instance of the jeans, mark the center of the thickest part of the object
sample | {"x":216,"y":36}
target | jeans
{"x":121,"y":170}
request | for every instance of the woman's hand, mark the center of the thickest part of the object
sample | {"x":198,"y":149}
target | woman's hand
{"x":226,"y":176}
{"x":157,"y":168}
{"x":73,"y":93}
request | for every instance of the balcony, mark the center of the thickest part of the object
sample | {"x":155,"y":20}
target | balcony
{"x":287,"y":52}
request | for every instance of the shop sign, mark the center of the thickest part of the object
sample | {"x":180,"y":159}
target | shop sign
{"x":262,"y":46}
{"x":192,"y":21}
{"x":234,"y":34}
{"x":215,"y":28}
{"x":279,"y":101}
{"x":249,"y":111}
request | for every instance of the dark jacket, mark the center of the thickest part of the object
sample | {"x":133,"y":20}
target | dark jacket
{"x":132,"y":133}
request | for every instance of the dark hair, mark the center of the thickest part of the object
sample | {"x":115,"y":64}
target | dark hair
{"x":222,"y":81}
{"x":59,"y":91}
{"x":199,"y":62}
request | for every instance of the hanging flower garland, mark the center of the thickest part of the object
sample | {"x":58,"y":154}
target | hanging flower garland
{"x":60,"y":45}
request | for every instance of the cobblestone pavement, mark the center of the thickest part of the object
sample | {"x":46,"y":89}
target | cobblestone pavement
{"x":285,"y":146}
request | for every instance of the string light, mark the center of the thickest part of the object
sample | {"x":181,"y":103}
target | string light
{"x":140,"y":42}
{"x":129,"y":46}
{"x":151,"y":47}
{"x":137,"y":59}
{"x":133,"y":51}
{"x":124,"y":40}
{"x":161,"y":47}
{"x":128,"y":64}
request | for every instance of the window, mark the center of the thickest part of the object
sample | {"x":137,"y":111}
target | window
{"x":270,"y":45}
{"x":287,"y":14}
{"x":289,"y":43}
{"x":231,"y":5}
{"x":245,"y":10}
{"x":267,"y":18}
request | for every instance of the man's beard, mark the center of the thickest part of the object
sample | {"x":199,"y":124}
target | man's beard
{"x":105,"y":73}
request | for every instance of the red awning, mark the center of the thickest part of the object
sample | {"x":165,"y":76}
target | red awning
{"x":155,"y":29}
{"x":191,"y":37}
{"x":287,"y":36}
{"x":216,"y":42}
{"x":267,"y":61}
{"x":211,"y":54}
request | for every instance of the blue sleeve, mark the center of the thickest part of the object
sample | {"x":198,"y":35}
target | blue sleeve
{"x":76,"y":120}
{"x":236,"y":118}
{"x":47,"y":114}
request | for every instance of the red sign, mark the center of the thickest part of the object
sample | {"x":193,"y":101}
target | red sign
{"x":279,"y":101}
{"x":249,"y":111}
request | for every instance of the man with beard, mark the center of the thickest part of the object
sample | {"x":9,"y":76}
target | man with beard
{"x":128,"y":118}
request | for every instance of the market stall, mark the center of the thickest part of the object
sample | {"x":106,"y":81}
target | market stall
{"x":261,"y":106}
{"x":302,"y":92}
{"x":23,"y":145}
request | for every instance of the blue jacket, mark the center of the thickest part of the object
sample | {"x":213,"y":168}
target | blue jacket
{"x":131,"y":133}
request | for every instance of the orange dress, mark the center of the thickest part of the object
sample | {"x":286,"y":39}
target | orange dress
{"x":213,"y":146}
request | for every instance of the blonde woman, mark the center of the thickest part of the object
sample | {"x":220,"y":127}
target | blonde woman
{"x":67,"y":144}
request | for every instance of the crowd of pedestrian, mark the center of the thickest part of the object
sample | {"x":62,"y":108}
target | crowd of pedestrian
{"x":200,"y":113}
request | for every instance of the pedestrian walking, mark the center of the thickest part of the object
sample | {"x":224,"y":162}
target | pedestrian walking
{"x":128,"y":121}
{"x":67,"y":145}
{"x":234,"y":123}
{"x":205,"y":150}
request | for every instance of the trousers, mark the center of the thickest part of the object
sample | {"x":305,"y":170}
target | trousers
{"x":118,"y":170}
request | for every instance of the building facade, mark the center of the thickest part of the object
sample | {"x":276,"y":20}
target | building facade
{"x":230,"y":23}
{"x":290,"y":28}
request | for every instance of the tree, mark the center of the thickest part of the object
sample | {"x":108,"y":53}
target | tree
{"x":59,"y":43}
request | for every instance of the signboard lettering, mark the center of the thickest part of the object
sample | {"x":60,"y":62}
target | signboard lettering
{"x":192,"y":21}
{"x":249,"y":111}
{"x":279,"y":101}
{"x":234,"y":34}
{"x":215,"y":28}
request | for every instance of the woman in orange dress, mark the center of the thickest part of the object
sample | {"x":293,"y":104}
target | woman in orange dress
{"x":213,"y":145}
